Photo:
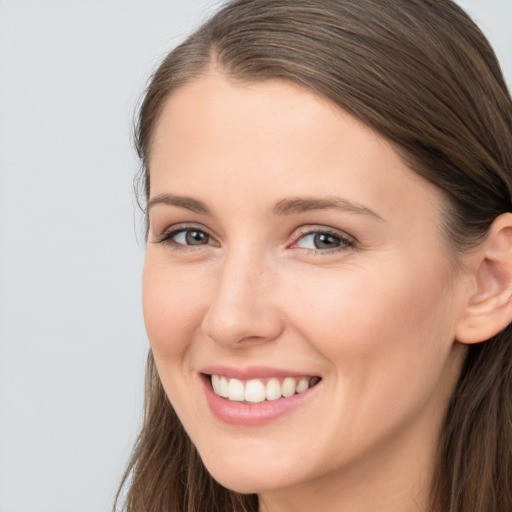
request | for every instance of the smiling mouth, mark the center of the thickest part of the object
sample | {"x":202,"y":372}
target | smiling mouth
{"x":255,"y":391}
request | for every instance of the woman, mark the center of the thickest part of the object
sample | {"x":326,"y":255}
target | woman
{"x":328,"y":278}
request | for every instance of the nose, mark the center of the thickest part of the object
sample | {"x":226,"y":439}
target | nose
{"x":243,"y":311}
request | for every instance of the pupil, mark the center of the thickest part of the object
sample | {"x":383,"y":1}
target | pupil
{"x":323,"y":241}
{"x":196,"y":238}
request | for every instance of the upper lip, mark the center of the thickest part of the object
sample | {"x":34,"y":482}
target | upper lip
{"x":252,"y":372}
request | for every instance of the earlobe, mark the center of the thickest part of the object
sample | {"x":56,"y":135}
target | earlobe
{"x":489,"y":307}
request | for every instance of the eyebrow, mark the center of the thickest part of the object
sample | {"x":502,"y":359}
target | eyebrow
{"x":189,"y":203}
{"x":306,"y":204}
{"x":289,"y":206}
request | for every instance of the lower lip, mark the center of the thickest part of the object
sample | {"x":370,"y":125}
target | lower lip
{"x":242,"y":413}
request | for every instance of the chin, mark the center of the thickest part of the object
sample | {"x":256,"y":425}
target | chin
{"x":249,"y":479}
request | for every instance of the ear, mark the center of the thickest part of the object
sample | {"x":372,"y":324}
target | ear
{"x":489,"y":308}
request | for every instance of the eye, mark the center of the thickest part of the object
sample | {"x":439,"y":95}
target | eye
{"x":183,"y":238}
{"x":323,"y":241}
{"x":189,"y":237}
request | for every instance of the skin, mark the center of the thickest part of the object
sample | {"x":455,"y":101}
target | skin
{"x":375,"y":318}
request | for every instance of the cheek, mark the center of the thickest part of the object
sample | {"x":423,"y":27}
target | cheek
{"x":358,"y":305}
{"x":378,"y":327}
{"x":172,"y":308}
{"x":172,"y":305}
{"x":387,"y":339}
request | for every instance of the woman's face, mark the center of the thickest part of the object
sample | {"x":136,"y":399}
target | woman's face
{"x":290,"y":248}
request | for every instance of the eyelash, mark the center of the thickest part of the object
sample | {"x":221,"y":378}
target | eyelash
{"x":345,"y":241}
{"x":167,"y":237}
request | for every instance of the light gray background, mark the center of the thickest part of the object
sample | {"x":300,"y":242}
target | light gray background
{"x":72,"y":341}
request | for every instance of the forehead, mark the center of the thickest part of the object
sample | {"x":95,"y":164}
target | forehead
{"x":275,"y":138}
{"x":254,"y":114}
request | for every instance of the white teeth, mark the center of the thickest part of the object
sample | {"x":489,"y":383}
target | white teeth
{"x":215,"y":384}
{"x":223,"y":387}
{"x":288,"y":387}
{"x":236,"y":390}
{"x":256,"y":391}
{"x":273,"y":389}
{"x":302,"y":385}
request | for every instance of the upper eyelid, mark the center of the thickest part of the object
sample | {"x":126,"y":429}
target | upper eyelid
{"x":296,"y":234}
{"x":347,"y":241}
{"x":176,"y":228}
{"x":167,"y":238}
{"x":310,"y":229}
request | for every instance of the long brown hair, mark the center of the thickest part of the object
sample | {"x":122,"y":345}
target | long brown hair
{"x":422,"y":75}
